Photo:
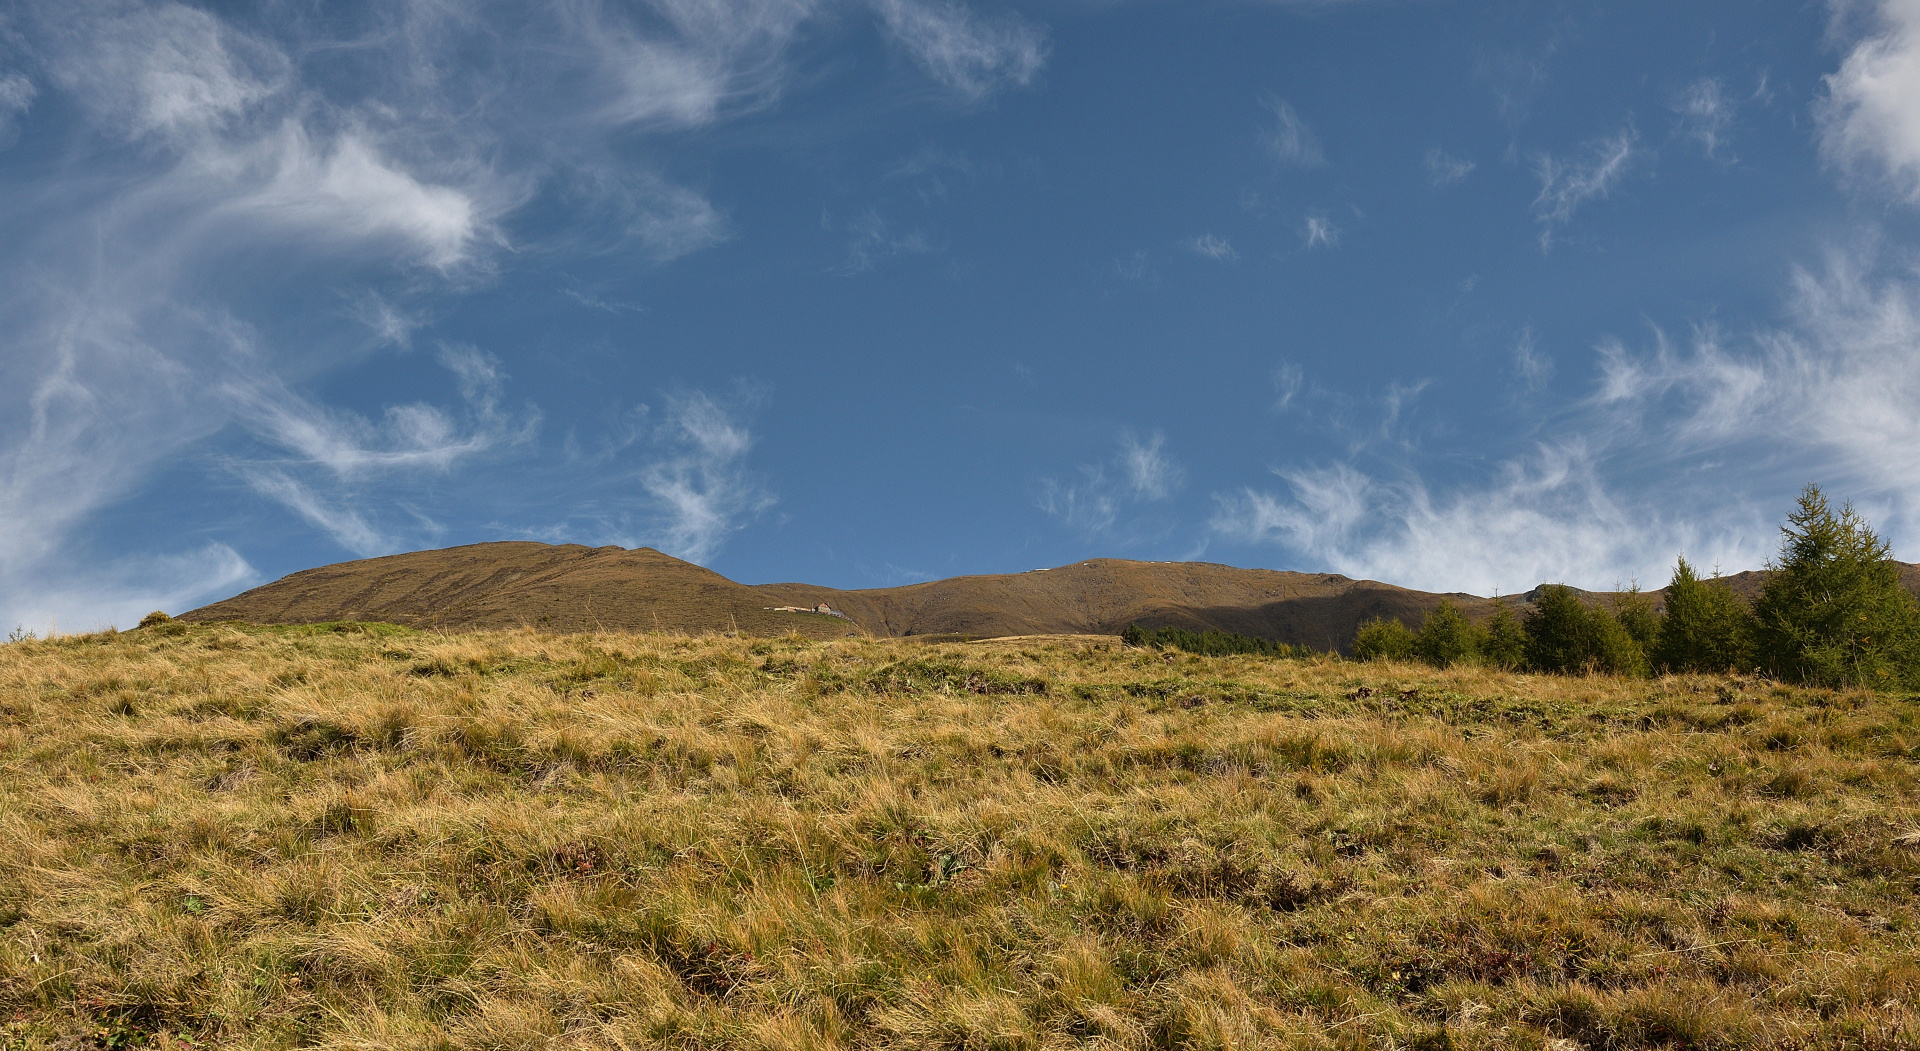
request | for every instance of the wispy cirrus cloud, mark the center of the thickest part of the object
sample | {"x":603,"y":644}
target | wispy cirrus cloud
{"x":164,"y":70}
{"x":1318,"y":230}
{"x":682,"y":63}
{"x":1212,"y":246}
{"x":1550,"y":516}
{"x":1444,"y":169}
{"x":1705,"y":113}
{"x":339,"y":194}
{"x":674,"y":475}
{"x":17,"y":92}
{"x":1289,"y":140}
{"x":1567,"y":184}
{"x":1829,"y":395}
{"x":341,"y":472}
{"x":971,"y":55}
{"x":1289,"y":381}
{"x":1094,"y":505}
{"x":872,"y":241}
{"x":698,"y":483}
{"x":1530,"y":363}
{"x":412,"y":436}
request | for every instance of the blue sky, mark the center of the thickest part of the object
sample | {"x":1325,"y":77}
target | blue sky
{"x":863,"y":292}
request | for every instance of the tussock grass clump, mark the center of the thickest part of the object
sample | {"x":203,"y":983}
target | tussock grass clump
{"x":346,"y":836}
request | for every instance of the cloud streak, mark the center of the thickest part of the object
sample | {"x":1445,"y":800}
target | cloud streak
{"x":1566,"y":185}
{"x":330,"y":458}
{"x":1705,"y":113}
{"x":699,"y":485}
{"x":1212,"y":246}
{"x":1318,"y":230}
{"x":1444,"y":169}
{"x":1142,"y":472}
{"x":970,"y":55}
{"x":1289,"y":140}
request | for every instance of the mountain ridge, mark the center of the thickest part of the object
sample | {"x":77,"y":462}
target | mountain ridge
{"x":572,"y":587}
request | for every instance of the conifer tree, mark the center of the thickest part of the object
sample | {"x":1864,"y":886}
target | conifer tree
{"x":1636,"y":613}
{"x":1834,"y":612}
{"x":1446,"y":637}
{"x":1557,"y":631}
{"x":1566,"y":635}
{"x":1383,"y":638}
{"x":1505,"y":645}
{"x":1707,"y":627}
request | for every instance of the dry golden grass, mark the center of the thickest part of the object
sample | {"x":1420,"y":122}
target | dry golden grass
{"x":362,"y":837}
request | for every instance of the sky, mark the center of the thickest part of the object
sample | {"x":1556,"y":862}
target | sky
{"x":1457,"y":296}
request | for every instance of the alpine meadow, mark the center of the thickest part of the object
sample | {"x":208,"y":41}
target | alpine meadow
{"x":959,"y":525}
{"x":1558,"y":830}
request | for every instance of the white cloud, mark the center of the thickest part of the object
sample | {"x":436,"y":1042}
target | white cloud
{"x":334,"y":465}
{"x":1705,"y":113}
{"x":1696,"y":448}
{"x":701,"y":489}
{"x":1869,"y":123}
{"x":1289,"y":379}
{"x":1142,"y":472}
{"x":1212,"y":247}
{"x":1545,"y":517}
{"x":1444,"y":169}
{"x":1151,"y":473}
{"x":1137,"y":266}
{"x":714,"y":54}
{"x":1318,"y":230}
{"x":627,"y":209}
{"x":871,"y":241}
{"x":1290,"y":140}
{"x":106,"y":405}
{"x":167,"y":70}
{"x":343,"y":193}
{"x":1088,"y":507}
{"x":347,"y":527}
{"x":389,"y":324}
{"x":17,"y":92}
{"x":674,"y":221}
{"x":1831,"y":395}
{"x":1565,"y":185}
{"x":413,"y":436}
{"x":970,"y":55}
{"x":76,"y":598}
{"x":1534,"y":368}
{"x":205,"y":159}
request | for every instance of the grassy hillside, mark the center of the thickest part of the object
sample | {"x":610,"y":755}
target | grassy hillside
{"x":358,"y":837}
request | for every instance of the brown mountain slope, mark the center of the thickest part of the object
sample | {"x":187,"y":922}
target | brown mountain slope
{"x":1104,"y":595}
{"x":510,"y":584}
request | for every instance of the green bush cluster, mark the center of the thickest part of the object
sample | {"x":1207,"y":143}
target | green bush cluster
{"x":1208,"y":643}
{"x":1833,"y":612}
{"x":1447,"y":638}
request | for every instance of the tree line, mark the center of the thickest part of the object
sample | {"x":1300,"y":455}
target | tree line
{"x":1833,"y":612}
